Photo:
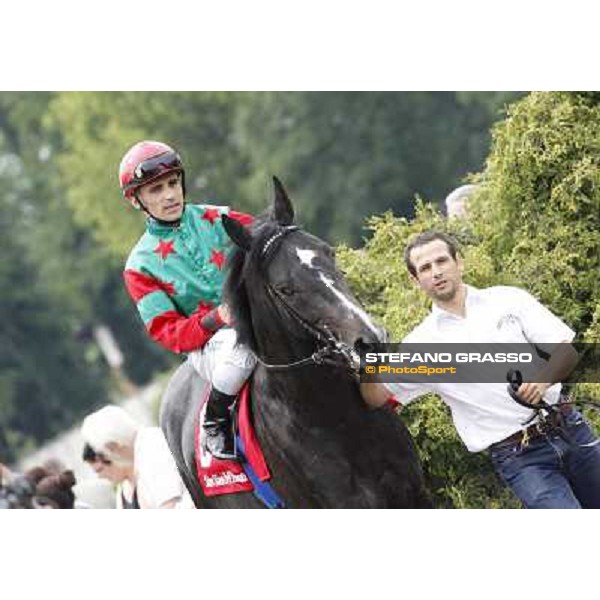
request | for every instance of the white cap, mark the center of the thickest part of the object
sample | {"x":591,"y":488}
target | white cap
{"x":109,"y":424}
{"x":456,"y":201}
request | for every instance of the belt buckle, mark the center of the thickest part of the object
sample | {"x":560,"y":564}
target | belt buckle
{"x":546,"y":424}
{"x":542,"y":426}
{"x":525,"y":439}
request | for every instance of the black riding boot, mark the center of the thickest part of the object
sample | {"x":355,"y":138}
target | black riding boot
{"x":218,"y":426}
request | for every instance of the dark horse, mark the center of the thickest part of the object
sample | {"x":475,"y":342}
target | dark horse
{"x":324,"y":447}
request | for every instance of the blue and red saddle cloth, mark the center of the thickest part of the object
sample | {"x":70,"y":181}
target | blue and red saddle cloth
{"x":250,"y":474}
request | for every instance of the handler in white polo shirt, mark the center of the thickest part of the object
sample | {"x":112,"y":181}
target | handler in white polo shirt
{"x":543,"y":470}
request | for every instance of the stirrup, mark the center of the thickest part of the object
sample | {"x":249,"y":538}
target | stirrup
{"x":219,"y":432}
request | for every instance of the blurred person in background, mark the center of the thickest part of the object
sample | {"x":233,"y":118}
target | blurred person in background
{"x":47,"y":486}
{"x":134,"y":458}
{"x":16,"y":490}
{"x":55,"y":490}
{"x":457,"y":201}
{"x":94,"y":493}
{"x":5,"y":474}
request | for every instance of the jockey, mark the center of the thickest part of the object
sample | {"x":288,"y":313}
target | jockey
{"x":175,"y":275}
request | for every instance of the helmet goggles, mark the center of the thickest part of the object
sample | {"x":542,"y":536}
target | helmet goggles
{"x":154,"y":167}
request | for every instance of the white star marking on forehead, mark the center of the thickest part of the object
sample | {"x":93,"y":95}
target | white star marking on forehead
{"x":306,"y":257}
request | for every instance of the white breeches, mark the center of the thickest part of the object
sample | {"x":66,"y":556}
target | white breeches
{"x":224,"y":362}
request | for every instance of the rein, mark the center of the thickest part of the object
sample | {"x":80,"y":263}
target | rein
{"x":332,"y":351}
{"x":549,"y":416}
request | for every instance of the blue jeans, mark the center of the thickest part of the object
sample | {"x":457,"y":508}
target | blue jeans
{"x":551,"y":473}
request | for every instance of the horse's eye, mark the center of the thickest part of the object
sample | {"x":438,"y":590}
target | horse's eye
{"x":286,"y":290}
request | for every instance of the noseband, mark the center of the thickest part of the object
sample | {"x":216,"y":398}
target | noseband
{"x":330,"y":350}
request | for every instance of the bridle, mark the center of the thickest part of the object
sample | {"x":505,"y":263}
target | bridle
{"x":330,"y":350}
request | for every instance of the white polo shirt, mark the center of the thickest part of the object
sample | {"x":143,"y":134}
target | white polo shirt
{"x":156,"y":473}
{"x":484,"y":413}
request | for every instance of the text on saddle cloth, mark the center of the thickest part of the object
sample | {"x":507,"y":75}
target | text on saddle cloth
{"x":218,"y":477}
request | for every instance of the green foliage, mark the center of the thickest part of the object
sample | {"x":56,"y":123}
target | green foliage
{"x":56,"y":283}
{"x":538,"y":211}
{"x":534,"y":222}
{"x":343,"y":156}
{"x":231,"y":144}
{"x":98,"y":128}
{"x":347,"y":155}
{"x":379,"y":278}
{"x":66,"y":257}
{"x":45,"y":381}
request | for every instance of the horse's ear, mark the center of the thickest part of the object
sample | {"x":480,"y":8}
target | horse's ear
{"x":239,"y":235}
{"x":283,"y":211}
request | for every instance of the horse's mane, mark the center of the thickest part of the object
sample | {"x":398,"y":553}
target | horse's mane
{"x":244,"y":271}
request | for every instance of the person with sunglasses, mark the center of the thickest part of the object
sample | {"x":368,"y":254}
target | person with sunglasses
{"x":175,"y":274}
{"x":135,"y":458}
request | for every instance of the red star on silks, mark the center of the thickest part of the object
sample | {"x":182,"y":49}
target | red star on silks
{"x":218,"y":258}
{"x":211,"y":214}
{"x":165,"y":248}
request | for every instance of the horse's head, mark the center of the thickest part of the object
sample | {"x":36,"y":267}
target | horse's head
{"x":285,"y":280}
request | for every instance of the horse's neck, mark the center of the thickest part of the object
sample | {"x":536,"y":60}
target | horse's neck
{"x":307,"y":394}
{"x":276,"y":349}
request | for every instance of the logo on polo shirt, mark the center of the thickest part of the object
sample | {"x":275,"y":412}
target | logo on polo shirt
{"x":509,"y":319}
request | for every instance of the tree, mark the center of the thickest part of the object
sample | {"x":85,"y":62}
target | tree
{"x":348,"y":155}
{"x":344,"y":155}
{"x":45,"y":379}
{"x":97,"y":129}
{"x":538,"y":210}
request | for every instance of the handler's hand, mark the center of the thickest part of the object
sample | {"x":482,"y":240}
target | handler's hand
{"x":532,"y":392}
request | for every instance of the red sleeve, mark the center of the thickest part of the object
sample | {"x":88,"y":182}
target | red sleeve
{"x":179,"y":333}
{"x":168,"y":326}
{"x":243,"y":218}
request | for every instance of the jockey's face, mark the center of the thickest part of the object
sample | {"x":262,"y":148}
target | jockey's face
{"x":438,"y":274}
{"x":163,"y":197}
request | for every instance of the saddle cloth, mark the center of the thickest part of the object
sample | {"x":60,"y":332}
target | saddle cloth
{"x":216,"y":476}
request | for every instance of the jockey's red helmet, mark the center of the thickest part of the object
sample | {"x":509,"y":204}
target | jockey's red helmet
{"x":144,"y":162}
